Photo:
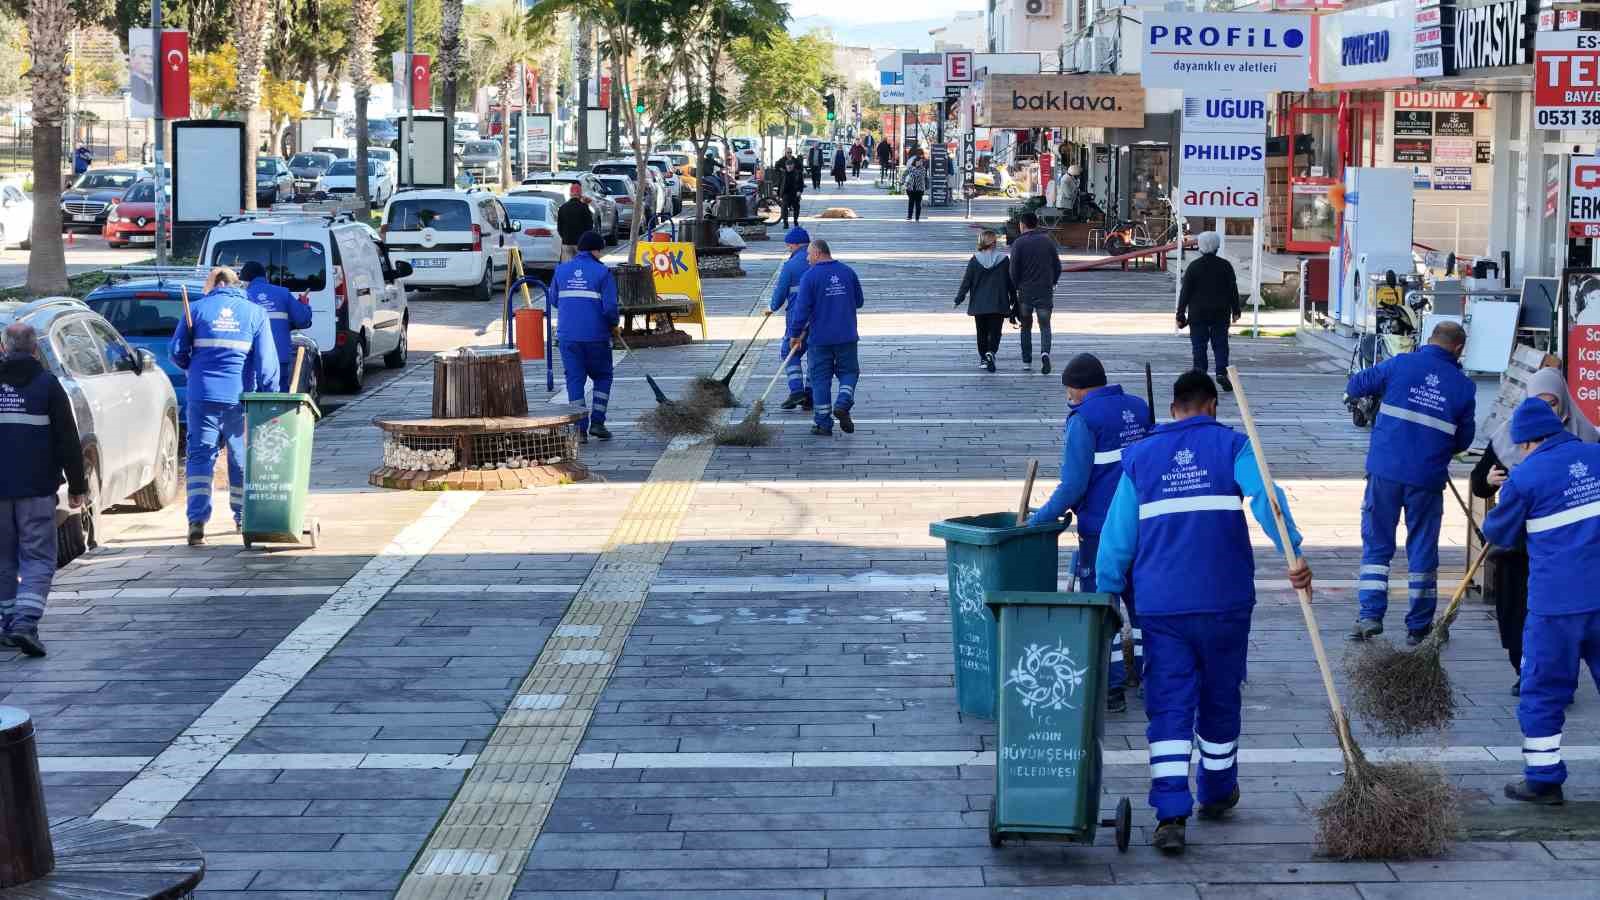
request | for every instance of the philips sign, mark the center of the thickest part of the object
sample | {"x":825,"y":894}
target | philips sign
{"x":1365,"y":49}
{"x":1227,"y":51}
{"x":1222,"y":158}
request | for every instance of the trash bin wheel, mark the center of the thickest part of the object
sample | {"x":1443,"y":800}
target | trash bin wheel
{"x":995,"y":840}
{"x":1124,"y":824}
{"x":313,"y":533}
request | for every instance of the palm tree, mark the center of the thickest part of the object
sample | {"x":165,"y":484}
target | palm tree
{"x":250,"y":39}
{"x":503,"y":38}
{"x":364,"y":30}
{"x":450,"y":13}
{"x":49,"y":22}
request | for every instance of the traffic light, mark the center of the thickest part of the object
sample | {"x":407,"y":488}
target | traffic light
{"x":638,"y":107}
{"x":827,"y":101}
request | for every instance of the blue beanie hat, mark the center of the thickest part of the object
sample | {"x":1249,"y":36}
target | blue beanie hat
{"x":797,"y":235}
{"x":591,"y":240}
{"x":1534,"y":420}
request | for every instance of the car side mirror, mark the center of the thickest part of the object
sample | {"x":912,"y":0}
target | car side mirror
{"x":144,"y":360}
{"x":402,"y":269}
{"x":514,"y":225}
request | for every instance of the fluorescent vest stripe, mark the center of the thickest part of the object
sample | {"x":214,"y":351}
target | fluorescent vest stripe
{"x":1400,"y":412}
{"x":1202,"y":503}
{"x":1565,"y":517}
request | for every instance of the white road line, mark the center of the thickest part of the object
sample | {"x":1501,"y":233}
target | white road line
{"x":792,"y":584}
{"x":171,"y":775}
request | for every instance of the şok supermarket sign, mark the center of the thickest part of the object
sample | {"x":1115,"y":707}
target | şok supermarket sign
{"x":1566,"y":79}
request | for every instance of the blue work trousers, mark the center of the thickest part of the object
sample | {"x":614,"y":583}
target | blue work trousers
{"x":211,"y":425}
{"x":588,"y":361}
{"x":27,"y":559}
{"x":1385,"y":500}
{"x":1194,"y":665}
{"x":794,"y":367}
{"x":1552,"y":647}
{"x":1083,"y":568}
{"x":830,"y":361}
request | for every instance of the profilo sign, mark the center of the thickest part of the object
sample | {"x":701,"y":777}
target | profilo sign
{"x":1492,"y":35}
{"x":1369,"y":45}
{"x":1059,"y":101}
{"x":1227,"y":51}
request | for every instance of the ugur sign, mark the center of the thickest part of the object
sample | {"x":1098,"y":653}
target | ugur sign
{"x":1047,"y":101}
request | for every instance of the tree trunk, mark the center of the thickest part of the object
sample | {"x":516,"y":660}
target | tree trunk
{"x":585,"y":67}
{"x":364,"y":15}
{"x":254,"y":27}
{"x":363,"y":142}
{"x":48,"y":24}
{"x":508,"y":82}
{"x":450,"y":71}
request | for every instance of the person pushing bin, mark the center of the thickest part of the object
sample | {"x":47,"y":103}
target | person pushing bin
{"x":223,"y":342}
{"x":1176,"y":525}
{"x":285,"y":312}
{"x":586,"y":295}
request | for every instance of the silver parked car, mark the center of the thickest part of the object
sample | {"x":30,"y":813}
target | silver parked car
{"x":481,"y":160}
{"x":126,"y":409}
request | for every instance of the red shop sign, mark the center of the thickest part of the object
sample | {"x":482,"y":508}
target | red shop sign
{"x":1583,"y":368}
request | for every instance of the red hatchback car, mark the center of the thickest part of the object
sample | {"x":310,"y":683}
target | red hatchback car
{"x":132,"y":217}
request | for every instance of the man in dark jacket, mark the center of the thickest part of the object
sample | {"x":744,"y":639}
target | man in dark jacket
{"x":791,"y":185}
{"x":1208,"y":304}
{"x":572,"y":220}
{"x":41,"y":440}
{"x":814,"y":165}
{"x":1035,"y":269}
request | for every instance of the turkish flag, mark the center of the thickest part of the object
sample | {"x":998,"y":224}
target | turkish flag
{"x":174,"y":74}
{"x":421,"y":81}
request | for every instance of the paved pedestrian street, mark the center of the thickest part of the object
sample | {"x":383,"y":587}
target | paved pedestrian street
{"x":726,"y":673}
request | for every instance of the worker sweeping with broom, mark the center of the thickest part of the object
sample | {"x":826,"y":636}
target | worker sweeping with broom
{"x":825,"y":318}
{"x":1176,"y":524}
{"x":798,"y":240}
{"x":1552,"y":499}
{"x":1426,"y":414}
{"x":584,"y":295}
{"x":1102,"y":421}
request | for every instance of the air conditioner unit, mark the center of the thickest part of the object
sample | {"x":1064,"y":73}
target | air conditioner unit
{"x":1038,"y":9}
{"x":1104,"y":51}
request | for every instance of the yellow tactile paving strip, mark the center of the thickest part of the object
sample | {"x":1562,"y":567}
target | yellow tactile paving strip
{"x":478,"y":849}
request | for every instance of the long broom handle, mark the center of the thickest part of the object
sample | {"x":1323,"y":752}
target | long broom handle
{"x":299,"y":358}
{"x":1466,"y":510}
{"x":1454,"y":608}
{"x":792,"y":350}
{"x":1027,"y":492}
{"x":1341,"y":726}
{"x":188,"y":317}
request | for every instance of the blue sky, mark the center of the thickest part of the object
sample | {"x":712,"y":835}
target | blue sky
{"x":881,"y":24}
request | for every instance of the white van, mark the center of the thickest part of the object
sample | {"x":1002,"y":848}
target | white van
{"x":358,"y":305}
{"x":452,"y":239}
{"x":339,"y":148}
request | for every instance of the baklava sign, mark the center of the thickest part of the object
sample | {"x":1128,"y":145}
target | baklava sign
{"x":1058,"y":101}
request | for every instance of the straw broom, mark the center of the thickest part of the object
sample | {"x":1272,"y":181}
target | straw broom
{"x":1383,"y":810}
{"x":715,"y":392}
{"x":750,"y":432}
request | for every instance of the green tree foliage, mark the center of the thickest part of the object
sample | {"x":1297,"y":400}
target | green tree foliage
{"x":781,"y":75}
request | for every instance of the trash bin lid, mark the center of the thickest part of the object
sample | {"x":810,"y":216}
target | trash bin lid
{"x":269,"y":397}
{"x":997,"y":599}
{"x":990,"y":528}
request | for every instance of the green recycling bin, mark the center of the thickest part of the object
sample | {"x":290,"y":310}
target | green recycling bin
{"x":1052,"y":654}
{"x":989,"y":553}
{"x":277,"y":469}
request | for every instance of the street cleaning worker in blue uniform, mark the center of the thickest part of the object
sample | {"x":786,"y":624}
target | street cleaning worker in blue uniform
{"x":285,"y":312}
{"x":798,"y":240}
{"x":585,"y":293}
{"x":1177,"y":524}
{"x":1551,"y":500}
{"x":825,"y":316}
{"x":1101,"y":422}
{"x":228,"y":352}
{"x":1426,"y":414}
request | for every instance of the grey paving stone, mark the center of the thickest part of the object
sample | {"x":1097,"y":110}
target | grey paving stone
{"x":726,"y":879}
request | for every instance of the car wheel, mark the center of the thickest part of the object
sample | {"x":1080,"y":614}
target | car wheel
{"x":355,"y":376}
{"x":163,"y":489}
{"x":485,"y":289}
{"x":76,"y":536}
{"x":313,"y":382}
{"x":396,"y":358}
{"x":27,"y":241}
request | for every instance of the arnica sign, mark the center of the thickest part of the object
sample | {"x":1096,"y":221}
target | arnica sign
{"x":1364,"y":49}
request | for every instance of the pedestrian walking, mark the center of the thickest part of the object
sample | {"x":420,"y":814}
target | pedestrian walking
{"x":829,"y":295}
{"x":814,"y":163}
{"x":1035,"y":269}
{"x":41,"y":443}
{"x":1508,"y":575}
{"x":987,"y":282}
{"x":793,"y":184}
{"x":1208,"y":303}
{"x":572,"y":220}
{"x":228,"y":351}
{"x":839,"y":167}
{"x":916,"y":184}
{"x":583,"y":328}
{"x":793,"y":346}
{"x":868,"y":143}
{"x":1551,"y":503}
{"x":886,"y":167}
{"x":1176,"y":532}
{"x":1426,"y":414}
{"x":1102,"y":421}
{"x":285,"y":312}
{"x":858,"y":156}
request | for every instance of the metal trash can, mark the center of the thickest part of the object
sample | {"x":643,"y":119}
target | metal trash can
{"x":277,"y":469}
{"x":983,"y":554}
{"x":1052,"y":653}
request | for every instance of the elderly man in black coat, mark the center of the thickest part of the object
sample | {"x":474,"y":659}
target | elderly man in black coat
{"x":1208,"y":303}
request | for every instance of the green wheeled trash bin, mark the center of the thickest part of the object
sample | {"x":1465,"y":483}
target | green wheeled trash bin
{"x":277,"y":469}
{"x":1052,"y":654}
{"x":989,"y":553}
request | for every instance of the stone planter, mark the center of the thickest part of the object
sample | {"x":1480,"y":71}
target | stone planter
{"x":719,"y":262}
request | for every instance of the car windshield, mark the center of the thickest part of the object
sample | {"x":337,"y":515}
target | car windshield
{"x":481,"y":148}
{"x":380,"y":153}
{"x":415,"y":214}
{"x":614,"y":187}
{"x":742,"y":143}
{"x":141,"y":192}
{"x":529,"y":209}
{"x":99,"y":180}
{"x":628,"y":169}
{"x":337,"y":152}
{"x":296,"y":265}
{"x":348,"y":167}
{"x":142,"y":316}
{"x":660,"y":165}
{"x":303,"y":160}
